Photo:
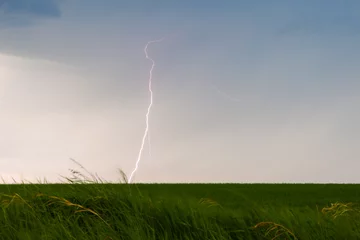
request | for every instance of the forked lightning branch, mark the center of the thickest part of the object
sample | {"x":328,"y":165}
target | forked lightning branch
{"x":148,"y":110}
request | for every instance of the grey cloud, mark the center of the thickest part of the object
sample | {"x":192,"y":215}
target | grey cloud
{"x":19,"y":13}
{"x":296,"y":120}
{"x":333,"y":27}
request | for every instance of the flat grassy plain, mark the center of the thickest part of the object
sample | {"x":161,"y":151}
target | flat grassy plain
{"x":179,"y":211}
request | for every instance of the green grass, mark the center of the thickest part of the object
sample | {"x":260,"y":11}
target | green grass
{"x":178,"y":211}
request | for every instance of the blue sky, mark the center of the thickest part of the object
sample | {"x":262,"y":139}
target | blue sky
{"x":244,"y":91}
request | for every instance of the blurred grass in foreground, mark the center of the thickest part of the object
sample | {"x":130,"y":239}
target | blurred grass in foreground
{"x":93,"y":209}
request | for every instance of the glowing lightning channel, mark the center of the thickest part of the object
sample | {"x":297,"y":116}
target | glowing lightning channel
{"x":148,"y":110}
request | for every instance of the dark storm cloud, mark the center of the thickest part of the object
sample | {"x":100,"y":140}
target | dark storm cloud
{"x":15,"y":13}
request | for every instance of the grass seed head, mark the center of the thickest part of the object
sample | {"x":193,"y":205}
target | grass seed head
{"x":338,"y":209}
{"x":280,"y":230}
{"x":209,"y":202}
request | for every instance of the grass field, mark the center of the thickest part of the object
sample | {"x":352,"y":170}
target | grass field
{"x":179,"y":211}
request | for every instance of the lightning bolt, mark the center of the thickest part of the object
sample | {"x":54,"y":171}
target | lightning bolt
{"x":148,"y":110}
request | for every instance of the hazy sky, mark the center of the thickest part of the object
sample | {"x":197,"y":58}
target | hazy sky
{"x":244,"y":91}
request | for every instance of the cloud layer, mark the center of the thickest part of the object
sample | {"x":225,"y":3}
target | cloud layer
{"x":20,"y":13}
{"x":242,"y":92}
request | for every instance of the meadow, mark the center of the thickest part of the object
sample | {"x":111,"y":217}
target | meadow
{"x":86,"y":208}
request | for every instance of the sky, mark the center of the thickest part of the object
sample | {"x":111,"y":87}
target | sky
{"x":244,"y":91}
